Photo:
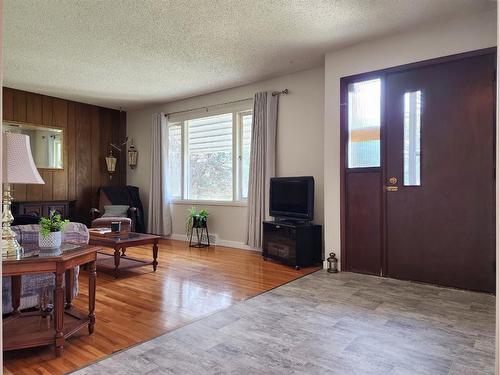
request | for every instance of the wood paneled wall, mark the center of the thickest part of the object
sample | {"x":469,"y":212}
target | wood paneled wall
{"x":88,"y":131}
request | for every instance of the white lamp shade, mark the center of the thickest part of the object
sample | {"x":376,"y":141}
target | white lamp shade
{"x":18,"y":166}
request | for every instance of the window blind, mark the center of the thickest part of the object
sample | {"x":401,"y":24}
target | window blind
{"x":211,"y":134}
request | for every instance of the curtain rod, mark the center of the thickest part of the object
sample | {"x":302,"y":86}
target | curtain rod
{"x":285,"y":91}
{"x":274,"y":93}
{"x":208,"y":106}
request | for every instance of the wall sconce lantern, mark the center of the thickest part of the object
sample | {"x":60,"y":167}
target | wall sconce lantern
{"x":132,"y":156}
{"x":111,"y":163}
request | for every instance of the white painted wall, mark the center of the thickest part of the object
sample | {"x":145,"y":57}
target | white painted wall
{"x":299,"y":143}
{"x":304,"y":145}
{"x":425,"y":43}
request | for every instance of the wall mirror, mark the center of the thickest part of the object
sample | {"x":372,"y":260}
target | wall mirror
{"x":46,"y":143}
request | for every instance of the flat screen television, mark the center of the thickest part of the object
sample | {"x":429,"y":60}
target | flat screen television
{"x":292,"y":198}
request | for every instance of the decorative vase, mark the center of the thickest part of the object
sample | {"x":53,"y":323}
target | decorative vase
{"x":51,"y":241}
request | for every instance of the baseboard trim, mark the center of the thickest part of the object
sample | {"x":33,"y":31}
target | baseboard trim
{"x":220,"y":242}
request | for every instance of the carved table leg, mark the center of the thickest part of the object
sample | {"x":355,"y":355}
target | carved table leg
{"x":59,"y":313}
{"x":123,"y":251}
{"x":16,"y":294}
{"x":155,"y":254}
{"x":117,"y":261}
{"x":69,"y":287}
{"x":92,"y":277}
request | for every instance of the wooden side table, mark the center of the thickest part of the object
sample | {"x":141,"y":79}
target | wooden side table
{"x":22,"y":329}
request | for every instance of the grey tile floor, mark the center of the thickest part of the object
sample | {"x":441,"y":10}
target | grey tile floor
{"x":328,"y":324}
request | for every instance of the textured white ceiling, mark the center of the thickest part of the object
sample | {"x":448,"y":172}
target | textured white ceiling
{"x":131,"y":53}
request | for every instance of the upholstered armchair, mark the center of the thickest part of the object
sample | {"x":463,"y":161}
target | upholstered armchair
{"x":131,"y":219}
{"x":32,"y":284}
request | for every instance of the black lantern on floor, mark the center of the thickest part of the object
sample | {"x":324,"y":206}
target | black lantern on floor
{"x":333,"y":263}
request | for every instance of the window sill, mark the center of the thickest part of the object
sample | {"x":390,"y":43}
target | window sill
{"x":190,"y":202}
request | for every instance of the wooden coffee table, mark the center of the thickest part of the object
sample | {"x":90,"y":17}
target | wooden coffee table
{"x":120,"y":242}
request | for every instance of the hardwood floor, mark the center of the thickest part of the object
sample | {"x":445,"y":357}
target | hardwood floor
{"x":189,"y":284}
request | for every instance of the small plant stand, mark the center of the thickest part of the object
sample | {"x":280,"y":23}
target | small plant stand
{"x":201,"y":229}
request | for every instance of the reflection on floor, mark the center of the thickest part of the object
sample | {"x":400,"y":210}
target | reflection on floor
{"x":189,"y":284}
{"x":328,"y":324}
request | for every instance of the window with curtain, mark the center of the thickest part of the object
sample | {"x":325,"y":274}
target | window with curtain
{"x":209,"y":157}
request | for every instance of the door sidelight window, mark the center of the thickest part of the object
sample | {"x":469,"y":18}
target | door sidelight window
{"x":364,"y":124}
{"x":411,"y":144}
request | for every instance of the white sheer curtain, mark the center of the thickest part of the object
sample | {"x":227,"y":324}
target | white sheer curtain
{"x":262,"y":164}
{"x":159,"y":218}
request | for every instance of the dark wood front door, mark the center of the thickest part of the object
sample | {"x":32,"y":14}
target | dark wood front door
{"x":440,"y":227}
{"x":436,"y":209}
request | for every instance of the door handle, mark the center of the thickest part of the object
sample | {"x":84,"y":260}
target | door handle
{"x":392,"y":187}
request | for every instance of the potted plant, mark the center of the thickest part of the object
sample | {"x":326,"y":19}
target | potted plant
{"x":50,"y":231}
{"x":196,"y":219}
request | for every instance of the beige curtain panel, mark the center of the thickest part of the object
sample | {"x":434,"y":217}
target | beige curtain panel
{"x":159,"y":218}
{"x":262,"y":164}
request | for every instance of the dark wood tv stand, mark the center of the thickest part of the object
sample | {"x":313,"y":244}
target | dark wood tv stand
{"x":296,"y":244}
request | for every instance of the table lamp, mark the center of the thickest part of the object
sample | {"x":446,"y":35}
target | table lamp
{"x":18,"y":167}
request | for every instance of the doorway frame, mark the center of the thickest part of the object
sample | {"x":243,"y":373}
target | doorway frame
{"x":382,"y":74}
